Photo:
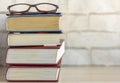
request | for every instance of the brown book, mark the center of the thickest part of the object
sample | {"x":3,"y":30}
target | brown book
{"x":42,"y":22}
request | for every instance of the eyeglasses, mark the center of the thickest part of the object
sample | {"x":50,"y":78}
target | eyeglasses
{"x":24,"y":8}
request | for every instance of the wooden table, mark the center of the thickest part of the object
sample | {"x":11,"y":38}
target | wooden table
{"x":82,"y":75}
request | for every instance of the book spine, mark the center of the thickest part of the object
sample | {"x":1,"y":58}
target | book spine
{"x":35,"y":47}
{"x":15,"y":65}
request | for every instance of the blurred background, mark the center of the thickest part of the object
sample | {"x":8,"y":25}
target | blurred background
{"x":91,"y":27}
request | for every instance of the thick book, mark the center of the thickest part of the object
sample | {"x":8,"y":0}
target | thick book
{"x":33,"y":73}
{"x":34,"y":39}
{"x":44,"y":22}
{"x":36,"y":55}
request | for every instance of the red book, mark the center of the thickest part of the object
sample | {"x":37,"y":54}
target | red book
{"x":33,"y":73}
{"x":35,"y":55}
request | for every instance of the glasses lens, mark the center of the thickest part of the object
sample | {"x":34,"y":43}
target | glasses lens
{"x":46,"y":7}
{"x":19,"y":8}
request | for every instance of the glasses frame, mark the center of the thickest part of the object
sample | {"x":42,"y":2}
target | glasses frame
{"x":34,"y":5}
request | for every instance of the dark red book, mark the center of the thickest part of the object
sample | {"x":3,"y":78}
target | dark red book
{"x":35,"y":55}
{"x":40,"y":73}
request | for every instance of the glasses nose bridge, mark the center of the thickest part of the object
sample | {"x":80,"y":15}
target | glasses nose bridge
{"x":32,"y":5}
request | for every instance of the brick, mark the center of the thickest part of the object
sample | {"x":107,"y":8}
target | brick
{"x":4,"y":4}
{"x":92,"y":39}
{"x":73,"y":22}
{"x":40,"y":1}
{"x":21,"y":1}
{"x":3,"y":35}
{"x":3,"y":39}
{"x":117,"y":5}
{"x":2,"y":21}
{"x":76,"y":57}
{"x":87,"y":6}
{"x":106,"y":57}
{"x":63,"y":4}
{"x":2,"y":56}
{"x":77,"y":6}
{"x":102,"y":6}
{"x":105,"y":22}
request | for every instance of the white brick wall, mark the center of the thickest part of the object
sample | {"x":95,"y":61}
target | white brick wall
{"x":102,"y":6}
{"x":70,"y":23}
{"x":106,"y":22}
{"x":4,"y":4}
{"x":92,"y":29}
{"x":93,"y":39}
{"x":3,"y":52}
{"x":117,"y":5}
{"x":3,"y":34}
{"x":2,"y":22}
{"x":63,"y":4}
{"x":71,"y":56}
{"x":106,"y":56}
{"x":86,"y":6}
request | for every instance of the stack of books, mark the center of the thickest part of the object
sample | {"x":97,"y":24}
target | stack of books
{"x":35,"y":48}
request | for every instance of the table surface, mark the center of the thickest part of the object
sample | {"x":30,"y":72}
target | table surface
{"x":81,"y":75}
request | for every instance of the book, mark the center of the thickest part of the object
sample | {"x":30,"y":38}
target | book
{"x":34,"y":39}
{"x":36,"y":55}
{"x":43,"y":22}
{"x":53,"y":31}
{"x":33,"y":73}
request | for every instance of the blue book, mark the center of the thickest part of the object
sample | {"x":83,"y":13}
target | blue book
{"x":34,"y":14}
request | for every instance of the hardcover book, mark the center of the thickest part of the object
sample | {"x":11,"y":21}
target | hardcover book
{"x":34,"y":39}
{"x":36,"y":55}
{"x":44,"y":22}
{"x":33,"y":73}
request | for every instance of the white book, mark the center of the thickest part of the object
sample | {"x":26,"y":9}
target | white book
{"x":34,"y":39}
{"x":35,"y":55}
{"x":32,"y":73}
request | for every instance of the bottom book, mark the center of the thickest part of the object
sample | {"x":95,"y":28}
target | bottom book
{"x":33,"y":73}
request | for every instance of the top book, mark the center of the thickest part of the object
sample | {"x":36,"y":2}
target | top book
{"x":39,"y":22}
